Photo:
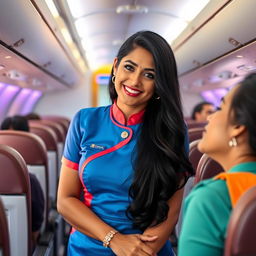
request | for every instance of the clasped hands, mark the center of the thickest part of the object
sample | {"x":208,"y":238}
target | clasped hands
{"x":132,"y":245}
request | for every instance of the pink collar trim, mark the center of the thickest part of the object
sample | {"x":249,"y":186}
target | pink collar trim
{"x":119,"y":116}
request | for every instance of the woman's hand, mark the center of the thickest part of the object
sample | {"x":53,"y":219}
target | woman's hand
{"x":132,"y":245}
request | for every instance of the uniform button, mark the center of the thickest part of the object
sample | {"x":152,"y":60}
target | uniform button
{"x":124,"y":134}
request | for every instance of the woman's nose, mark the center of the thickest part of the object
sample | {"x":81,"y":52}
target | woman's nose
{"x":135,"y":79}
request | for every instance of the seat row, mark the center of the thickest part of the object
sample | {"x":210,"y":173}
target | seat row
{"x":37,"y":152}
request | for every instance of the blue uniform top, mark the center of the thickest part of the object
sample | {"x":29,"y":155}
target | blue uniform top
{"x":102,"y":148}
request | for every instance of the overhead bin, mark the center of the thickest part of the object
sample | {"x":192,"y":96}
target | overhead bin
{"x":232,"y":27}
{"x":24,"y":31}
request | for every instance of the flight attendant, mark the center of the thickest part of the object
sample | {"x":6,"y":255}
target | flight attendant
{"x":129,"y":159}
{"x":229,"y":139}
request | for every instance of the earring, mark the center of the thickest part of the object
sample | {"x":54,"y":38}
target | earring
{"x":232,"y":142}
{"x":157,"y":98}
{"x":113,"y":79}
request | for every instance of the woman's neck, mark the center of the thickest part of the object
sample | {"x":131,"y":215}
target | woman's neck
{"x":228,"y":162}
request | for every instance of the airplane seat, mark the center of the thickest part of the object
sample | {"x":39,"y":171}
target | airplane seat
{"x":4,"y":234}
{"x":241,"y":230}
{"x":33,"y":150}
{"x":59,"y":132}
{"x":64,"y":122}
{"x":195,"y":133}
{"x":207,"y":168}
{"x":50,"y":140}
{"x":16,"y":197}
{"x":194,"y":154}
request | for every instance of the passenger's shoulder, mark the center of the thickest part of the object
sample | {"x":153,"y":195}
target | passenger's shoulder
{"x":210,"y":190}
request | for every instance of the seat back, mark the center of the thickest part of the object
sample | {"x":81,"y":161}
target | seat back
{"x":194,"y":154}
{"x":4,"y":232}
{"x":195,"y":133}
{"x":241,"y":230}
{"x":50,"y":140}
{"x":16,"y":197}
{"x":33,"y":150}
{"x":207,"y":168}
{"x":59,"y":131}
{"x":64,"y":122}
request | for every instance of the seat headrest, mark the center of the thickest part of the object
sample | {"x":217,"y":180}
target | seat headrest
{"x":207,"y":168}
{"x":241,"y":230}
{"x":14,"y":177}
{"x":30,"y":146}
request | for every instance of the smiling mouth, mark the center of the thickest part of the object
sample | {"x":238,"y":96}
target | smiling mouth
{"x":131,"y":92}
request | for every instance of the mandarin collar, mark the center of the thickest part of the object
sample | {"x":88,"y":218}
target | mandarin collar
{"x":118,"y":115}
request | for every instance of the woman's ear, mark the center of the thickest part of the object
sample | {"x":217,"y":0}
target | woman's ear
{"x":237,"y":130}
{"x":115,"y":66}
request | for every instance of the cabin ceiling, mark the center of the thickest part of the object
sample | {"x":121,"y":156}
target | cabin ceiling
{"x":42,"y":58}
{"x":101,"y":26}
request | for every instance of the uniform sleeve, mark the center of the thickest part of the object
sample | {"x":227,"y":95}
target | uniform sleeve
{"x":71,"y":154}
{"x":206,"y":214}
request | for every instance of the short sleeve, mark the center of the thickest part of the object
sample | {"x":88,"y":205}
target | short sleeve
{"x":206,"y":214}
{"x":71,"y":154}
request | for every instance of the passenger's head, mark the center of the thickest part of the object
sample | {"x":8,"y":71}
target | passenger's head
{"x":19,"y":123}
{"x":147,"y":51}
{"x":202,"y":110}
{"x":32,"y":116}
{"x":232,"y":127}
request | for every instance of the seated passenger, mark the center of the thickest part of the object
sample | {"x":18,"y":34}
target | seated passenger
{"x":32,"y":116}
{"x":230,"y":139}
{"x":201,"y":111}
{"x":20,"y":123}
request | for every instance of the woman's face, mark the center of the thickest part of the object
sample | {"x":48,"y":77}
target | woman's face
{"x":135,"y":79}
{"x":218,"y":131}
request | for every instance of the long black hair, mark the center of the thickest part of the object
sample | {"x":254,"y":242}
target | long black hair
{"x":161,"y":163}
{"x":243,"y":107}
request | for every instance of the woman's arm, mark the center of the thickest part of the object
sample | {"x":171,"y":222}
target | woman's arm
{"x":84,"y":220}
{"x":73,"y":210}
{"x":206,"y":214}
{"x":164,"y":229}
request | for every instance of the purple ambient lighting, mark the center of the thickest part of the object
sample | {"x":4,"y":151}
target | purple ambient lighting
{"x":210,"y":97}
{"x":19,"y":102}
{"x":32,"y":100}
{"x":8,"y":94}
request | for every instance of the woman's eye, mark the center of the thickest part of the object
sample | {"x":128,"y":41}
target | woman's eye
{"x":129,"y":67}
{"x":150,"y":75}
{"x":218,"y":108}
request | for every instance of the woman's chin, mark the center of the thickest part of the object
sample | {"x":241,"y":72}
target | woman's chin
{"x":201,"y":147}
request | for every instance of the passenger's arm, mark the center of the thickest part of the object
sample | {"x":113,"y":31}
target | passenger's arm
{"x":206,"y":215}
{"x":84,"y":220}
{"x":164,"y":229}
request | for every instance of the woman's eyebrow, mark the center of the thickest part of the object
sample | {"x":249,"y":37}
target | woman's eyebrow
{"x":136,"y":65}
